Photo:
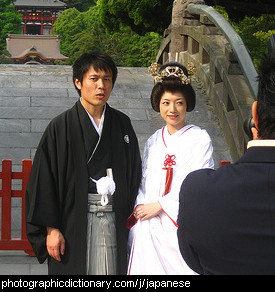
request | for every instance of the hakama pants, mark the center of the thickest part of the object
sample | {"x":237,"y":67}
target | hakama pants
{"x":101,"y":237}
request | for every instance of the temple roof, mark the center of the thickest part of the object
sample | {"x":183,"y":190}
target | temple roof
{"x":46,"y":46}
{"x":40,"y":3}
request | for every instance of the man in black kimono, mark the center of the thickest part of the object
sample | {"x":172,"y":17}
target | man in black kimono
{"x":78,"y":145}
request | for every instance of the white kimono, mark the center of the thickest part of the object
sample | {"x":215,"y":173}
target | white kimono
{"x":154,"y":242}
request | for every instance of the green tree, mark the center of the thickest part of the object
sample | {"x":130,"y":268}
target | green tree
{"x":134,"y":50}
{"x":80,"y":5}
{"x":255,"y":33}
{"x":238,"y":9}
{"x":10,"y":20}
{"x":141,"y":15}
{"x":67,"y":26}
{"x":80,"y":32}
{"x":91,"y":37}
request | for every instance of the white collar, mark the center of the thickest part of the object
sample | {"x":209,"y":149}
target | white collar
{"x":100,"y":126}
{"x":168,"y":138}
{"x":261,"y":143}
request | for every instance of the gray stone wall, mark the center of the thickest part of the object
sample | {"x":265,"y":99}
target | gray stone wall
{"x":29,"y":98}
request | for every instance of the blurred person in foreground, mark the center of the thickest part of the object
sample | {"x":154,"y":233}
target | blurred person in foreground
{"x":227,"y":216}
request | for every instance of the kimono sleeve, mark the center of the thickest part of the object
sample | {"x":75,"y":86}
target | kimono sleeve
{"x":41,"y":196}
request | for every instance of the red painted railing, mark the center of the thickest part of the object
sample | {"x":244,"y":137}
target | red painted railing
{"x":7,"y":175}
{"x":224,"y":162}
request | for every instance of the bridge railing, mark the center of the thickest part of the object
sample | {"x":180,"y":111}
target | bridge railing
{"x":224,"y":68}
{"x":6,"y":194}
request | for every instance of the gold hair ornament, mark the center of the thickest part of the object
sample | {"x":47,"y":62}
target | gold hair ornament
{"x":171,"y":71}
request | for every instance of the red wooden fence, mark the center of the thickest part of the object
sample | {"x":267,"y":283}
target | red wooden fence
{"x":7,"y":175}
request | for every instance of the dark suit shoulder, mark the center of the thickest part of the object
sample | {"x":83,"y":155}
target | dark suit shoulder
{"x":200,"y":174}
{"x":200,"y":181}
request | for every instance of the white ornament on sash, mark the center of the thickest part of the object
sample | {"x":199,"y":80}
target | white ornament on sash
{"x":105,"y":186}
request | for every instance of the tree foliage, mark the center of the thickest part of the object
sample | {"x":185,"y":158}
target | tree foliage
{"x":80,"y":5}
{"x":69,"y":24}
{"x":141,"y":15}
{"x":10,"y":20}
{"x":133,"y":50}
{"x":238,"y":9}
{"x":254,"y":31}
{"x":80,"y":32}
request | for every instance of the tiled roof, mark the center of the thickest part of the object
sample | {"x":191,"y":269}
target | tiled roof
{"x":47,"y":46}
{"x":40,"y":3}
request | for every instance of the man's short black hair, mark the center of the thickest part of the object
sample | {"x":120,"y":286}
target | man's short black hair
{"x":99,"y":61}
{"x":266,"y":97}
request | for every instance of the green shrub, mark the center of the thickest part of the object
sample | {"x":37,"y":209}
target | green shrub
{"x":254,"y":31}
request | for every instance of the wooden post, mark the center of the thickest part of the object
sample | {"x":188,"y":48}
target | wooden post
{"x":6,"y":242}
{"x":6,"y":200}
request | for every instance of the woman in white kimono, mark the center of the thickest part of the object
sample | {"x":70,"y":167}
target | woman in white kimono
{"x":169,"y":155}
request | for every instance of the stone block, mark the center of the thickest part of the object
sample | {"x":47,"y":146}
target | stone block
{"x":11,"y":92}
{"x":20,"y":140}
{"x":135,"y":114}
{"x":29,"y":112}
{"x":15,"y":101}
{"x":7,"y":82}
{"x":49,"y":102}
{"x":205,"y":20}
{"x":52,"y":84}
{"x":141,"y":127}
{"x":39,"y":126}
{"x":16,"y":154}
{"x":15,"y":125}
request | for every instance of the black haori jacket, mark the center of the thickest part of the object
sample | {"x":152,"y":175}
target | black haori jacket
{"x":57,"y":191}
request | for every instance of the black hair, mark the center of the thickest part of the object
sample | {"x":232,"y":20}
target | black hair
{"x":99,"y":61}
{"x":173,"y":84}
{"x":266,"y":97}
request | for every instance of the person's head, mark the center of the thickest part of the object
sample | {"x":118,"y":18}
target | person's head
{"x":98,"y":61}
{"x":263,"y":110}
{"x":173,"y":95}
{"x":173,"y":77}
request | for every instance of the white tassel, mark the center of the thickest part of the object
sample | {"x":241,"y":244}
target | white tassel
{"x":105,"y":186}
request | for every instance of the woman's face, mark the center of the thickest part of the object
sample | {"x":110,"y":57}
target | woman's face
{"x":172,"y":108}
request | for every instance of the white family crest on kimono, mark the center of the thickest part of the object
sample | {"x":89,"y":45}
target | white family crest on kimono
{"x":167,"y":160}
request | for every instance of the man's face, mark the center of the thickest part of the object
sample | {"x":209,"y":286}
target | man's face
{"x":95,"y":88}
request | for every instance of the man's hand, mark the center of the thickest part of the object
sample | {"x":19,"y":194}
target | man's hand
{"x":55,"y":243}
